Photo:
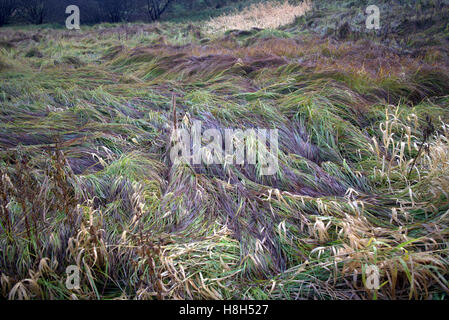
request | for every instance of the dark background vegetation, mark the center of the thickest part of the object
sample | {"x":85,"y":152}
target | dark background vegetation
{"x":38,"y":12}
{"x":113,"y":11}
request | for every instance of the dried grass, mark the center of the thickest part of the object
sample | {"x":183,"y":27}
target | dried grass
{"x":268,"y":15}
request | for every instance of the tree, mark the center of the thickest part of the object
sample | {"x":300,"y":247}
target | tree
{"x":156,"y":8}
{"x":34,"y":11}
{"x":116,"y":10}
{"x":91,"y":12}
{"x":7,"y":8}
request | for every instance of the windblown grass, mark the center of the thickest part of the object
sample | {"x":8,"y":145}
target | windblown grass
{"x":85,"y":176}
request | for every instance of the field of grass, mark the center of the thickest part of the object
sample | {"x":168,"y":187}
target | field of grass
{"x":85,"y":176}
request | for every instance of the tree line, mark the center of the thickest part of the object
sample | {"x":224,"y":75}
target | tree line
{"x":97,"y":11}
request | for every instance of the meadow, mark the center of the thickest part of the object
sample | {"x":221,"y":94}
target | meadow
{"x":86,"y":119}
